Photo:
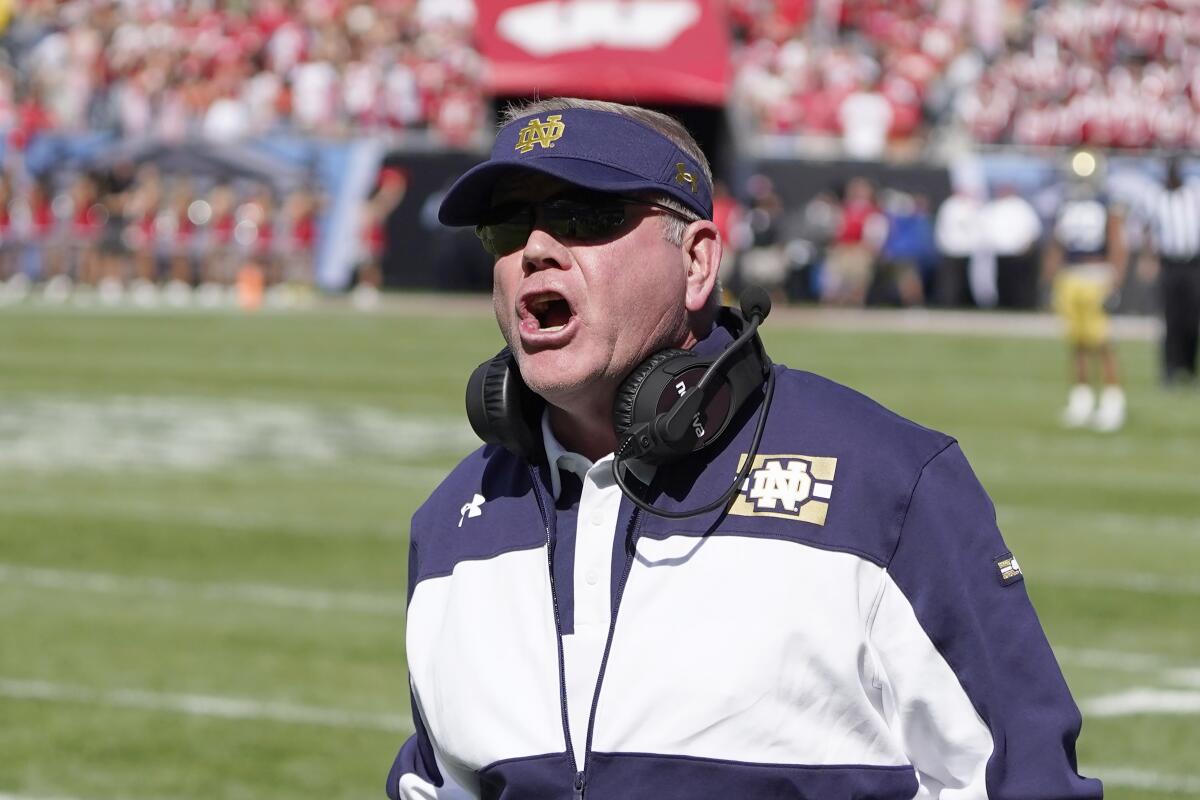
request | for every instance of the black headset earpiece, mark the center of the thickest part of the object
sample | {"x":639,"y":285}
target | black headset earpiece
{"x":626,"y":404}
{"x":662,"y":412}
{"x":673,"y":404}
{"x":502,"y":410}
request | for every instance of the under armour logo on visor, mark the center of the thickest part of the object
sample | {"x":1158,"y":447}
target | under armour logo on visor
{"x":682,"y":176}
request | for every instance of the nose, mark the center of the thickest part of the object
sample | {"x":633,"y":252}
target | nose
{"x":542,"y":251}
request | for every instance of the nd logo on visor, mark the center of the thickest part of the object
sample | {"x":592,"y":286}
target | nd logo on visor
{"x":788,"y":487}
{"x":544,"y":133}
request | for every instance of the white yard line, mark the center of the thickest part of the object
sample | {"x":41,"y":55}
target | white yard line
{"x":54,"y":432}
{"x":1144,"y":700}
{"x":1123,"y":524}
{"x":204,"y":706}
{"x":249,"y":593}
{"x":135,"y":506}
{"x":1145,"y":582}
{"x":1115,"y":660}
{"x":1133,"y":778}
{"x":1185,"y":676}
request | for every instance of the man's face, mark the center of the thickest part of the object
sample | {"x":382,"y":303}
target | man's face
{"x":580,"y":315}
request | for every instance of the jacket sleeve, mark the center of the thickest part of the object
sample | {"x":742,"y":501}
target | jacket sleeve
{"x":414,"y":774}
{"x":968,"y":681}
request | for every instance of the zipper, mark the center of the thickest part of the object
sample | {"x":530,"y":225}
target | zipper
{"x":635,"y":524}
{"x":562,"y":669}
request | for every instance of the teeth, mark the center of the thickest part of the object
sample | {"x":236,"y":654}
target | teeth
{"x":554,"y":328}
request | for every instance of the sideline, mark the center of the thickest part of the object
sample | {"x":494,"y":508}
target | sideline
{"x":1015,"y":324}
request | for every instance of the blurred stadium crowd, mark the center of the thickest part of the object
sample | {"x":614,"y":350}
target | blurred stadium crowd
{"x":866,"y":80}
{"x":172,"y":68}
{"x":1113,"y":73}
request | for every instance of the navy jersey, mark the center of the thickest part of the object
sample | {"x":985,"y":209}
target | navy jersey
{"x":1081,"y":228}
{"x":851,"y":626}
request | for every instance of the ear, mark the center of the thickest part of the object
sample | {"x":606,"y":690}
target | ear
{"x":702,"y":257}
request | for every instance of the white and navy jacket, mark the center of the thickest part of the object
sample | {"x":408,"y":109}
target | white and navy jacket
{"x":852,"y":626}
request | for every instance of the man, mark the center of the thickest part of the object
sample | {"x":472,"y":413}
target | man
{"x":851,"y":625}
{"x":850,"y":267}
{"x":1012,"y":230}
{"x":956,"y":230}
{"x":1175,"y":224}
{"x":1086,"y":262}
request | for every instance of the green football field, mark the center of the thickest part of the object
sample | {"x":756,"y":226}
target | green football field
{"x":203,"y":538}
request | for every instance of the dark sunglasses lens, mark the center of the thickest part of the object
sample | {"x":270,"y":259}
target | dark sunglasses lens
{"x":580,"y":220}
{"x":584,"y":221}
{"x":502,"y":238}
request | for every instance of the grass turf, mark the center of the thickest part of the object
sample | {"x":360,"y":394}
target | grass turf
{"x":204,"y":524}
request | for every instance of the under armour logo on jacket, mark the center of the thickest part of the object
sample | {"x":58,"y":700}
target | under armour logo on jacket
{"x":471,"y":509}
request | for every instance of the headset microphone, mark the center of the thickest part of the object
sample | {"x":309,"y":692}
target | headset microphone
{"x":756,"y":303}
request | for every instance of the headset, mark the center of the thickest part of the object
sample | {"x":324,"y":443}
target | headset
{"x":673,"y":404}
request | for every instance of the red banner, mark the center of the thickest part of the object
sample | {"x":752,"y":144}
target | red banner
{"x":648,"y":51}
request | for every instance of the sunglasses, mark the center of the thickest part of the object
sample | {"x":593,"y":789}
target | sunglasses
{"x":581,"y":218}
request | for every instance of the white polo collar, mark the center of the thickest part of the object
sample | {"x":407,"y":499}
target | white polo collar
{"x":559,"y":458}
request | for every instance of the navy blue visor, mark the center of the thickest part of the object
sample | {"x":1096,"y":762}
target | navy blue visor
{"x":596,"y":150}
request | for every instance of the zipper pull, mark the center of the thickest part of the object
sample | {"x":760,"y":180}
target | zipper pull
{"x":579,"y":783}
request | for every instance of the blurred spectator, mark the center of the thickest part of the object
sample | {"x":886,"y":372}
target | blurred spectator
{"x":218,"y":221}
{"x":728,"y":216}
{"x":298,"y":243}
{"x":762,"y":263}
{"x":386,"y":197}
{"x":866,"y":117}
{"x":89,"y":219}
{"x":9,"y":250}
{"x":115,"y":274}
{"x":908,"y":258}
{"x":956,"y":231}
{"x":809,"y":232}
{"x":142,"y":210}
{"x":862,"y":228}
{"x":1012,"y":230}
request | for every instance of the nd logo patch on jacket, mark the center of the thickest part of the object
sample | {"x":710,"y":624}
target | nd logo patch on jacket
{"x":831,"y":635}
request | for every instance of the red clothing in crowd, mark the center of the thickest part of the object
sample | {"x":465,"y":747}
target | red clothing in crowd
{"x":855,"y":216}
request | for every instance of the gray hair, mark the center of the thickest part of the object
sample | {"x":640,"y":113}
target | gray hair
{"x":673,"y":227}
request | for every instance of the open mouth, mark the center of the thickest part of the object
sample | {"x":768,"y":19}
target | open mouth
{"x":551,"y":311}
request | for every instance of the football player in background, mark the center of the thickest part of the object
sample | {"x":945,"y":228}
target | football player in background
{"x":1085,"y":261}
